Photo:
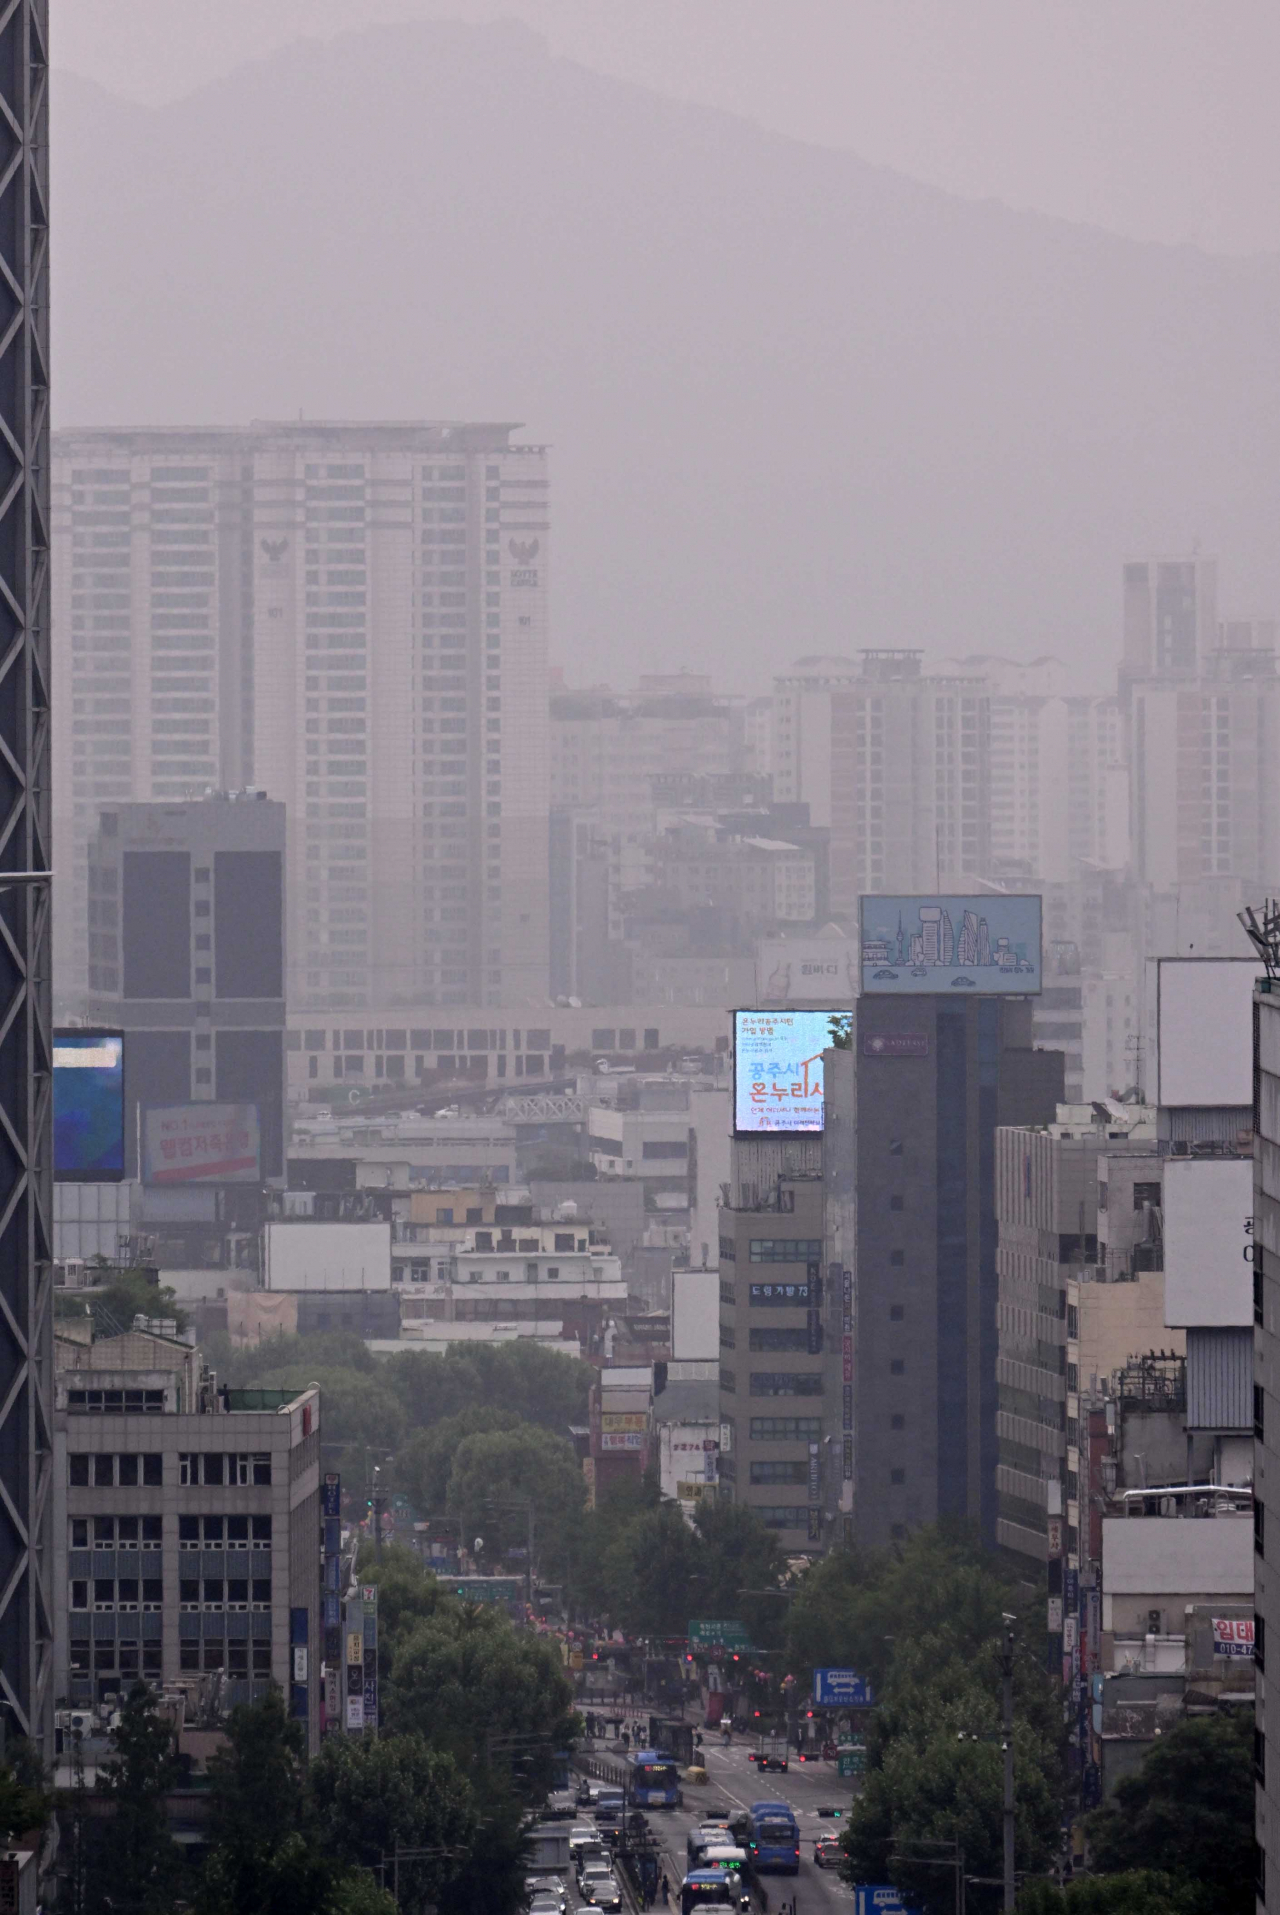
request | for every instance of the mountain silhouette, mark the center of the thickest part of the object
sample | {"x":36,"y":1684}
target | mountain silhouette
{"x":798,"y":403}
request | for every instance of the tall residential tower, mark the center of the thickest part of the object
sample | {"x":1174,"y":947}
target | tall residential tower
{"x":352,"y":617}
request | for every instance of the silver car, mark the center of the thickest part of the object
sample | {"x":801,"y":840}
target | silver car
{"x":602,"y":1891}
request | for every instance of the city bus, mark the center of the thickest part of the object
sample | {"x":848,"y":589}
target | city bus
{"x":654,"y":1780}
{"x":773,"y":1839}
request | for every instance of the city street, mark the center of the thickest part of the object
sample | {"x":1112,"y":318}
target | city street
{"x":734,"y":1784}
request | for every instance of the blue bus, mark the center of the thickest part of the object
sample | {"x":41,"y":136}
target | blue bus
{"x":773,"y":1839}
{"x":653,"y":1780}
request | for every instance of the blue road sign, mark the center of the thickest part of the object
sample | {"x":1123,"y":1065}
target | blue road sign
{"x":841,"y":1689}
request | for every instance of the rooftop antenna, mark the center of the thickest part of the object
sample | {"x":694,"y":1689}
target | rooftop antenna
{"x":1265,"y":935}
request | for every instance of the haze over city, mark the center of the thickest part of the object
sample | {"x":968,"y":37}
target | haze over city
{"x":639,"y":957}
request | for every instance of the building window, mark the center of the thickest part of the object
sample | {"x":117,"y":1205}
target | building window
{"x":1144,"y":1194}
{"x":785,"y":1249}
{"x":786,"y":1429}
{"x":1259,"y":1526}
{"x":780,"y":1472}
{"x":794,"y":1340}
{"x":1260,"y":1643}
{"x":782,"y":1515}
{"x":729,"y":1382}
{"x":1258,"y":1412}
{"x":786,"y":1383}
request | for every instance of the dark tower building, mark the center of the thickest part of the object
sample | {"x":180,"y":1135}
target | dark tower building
{"x":187,"y":957}
{"x":26,"y":1132}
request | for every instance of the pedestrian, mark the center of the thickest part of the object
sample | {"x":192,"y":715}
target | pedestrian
{"x":666,"y":1891}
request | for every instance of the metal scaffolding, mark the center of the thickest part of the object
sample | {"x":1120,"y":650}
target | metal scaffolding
{"x":26,"y":1080}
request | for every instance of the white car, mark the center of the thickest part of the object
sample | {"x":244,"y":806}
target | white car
{"x":581,"y":1835}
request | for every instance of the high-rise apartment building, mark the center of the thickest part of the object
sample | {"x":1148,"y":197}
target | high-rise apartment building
{"x":1203,"y":758}
{"x":352,"y":617}
{"x":895,"y":762}
{"x":1170,"y":617}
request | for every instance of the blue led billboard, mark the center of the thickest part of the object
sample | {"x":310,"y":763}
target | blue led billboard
{"x":88,"y":1106}
{"x":988,"y":945}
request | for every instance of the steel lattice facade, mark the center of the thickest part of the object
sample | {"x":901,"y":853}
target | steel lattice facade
{"x":26,"y":1138}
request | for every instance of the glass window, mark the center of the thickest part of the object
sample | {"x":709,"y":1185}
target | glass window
{"x":80,"y":1532}
{"x":262,"y":1532}
{"x":152,"y":1531}
{"x":104,"y":1532}
{"x":78,"y":1471}
{"x":126,"y":1532}
{"x":189,"y":1589}
{"x":785,"y":1429}
{"x":785,"y":1249}
{"x":127,"y":1471}
{"x":152,"y":1591}
{"x":188,"y":1655}
{"x":153,"y":1471}
{"x":237,"y":1532}
{"x":103,"y":1472}
{"x":213,"y":1592}
{"x":786,"y":1383}
{"x":238,"y":1591}
{"x":189,"y":1531}
{"x":80,"y":1594}
{"x":213,"y":1532}
{"x":262,"y":1591}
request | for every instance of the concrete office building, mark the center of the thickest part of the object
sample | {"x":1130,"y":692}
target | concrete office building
{"x":257,"y":606}
{"x":1050,"y":1183}
{"x":186,"y":941}
{"x":186,"y":1529}
{"x":935,"y":1081}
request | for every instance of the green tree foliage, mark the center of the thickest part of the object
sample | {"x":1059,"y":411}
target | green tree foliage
{"x":260,"y":1861}
{"x":498,"y":1468}
{"x":372,"y":1797}
{"x":133,"y":1864}
{"x":539,"y":1386}
{"x":424,"y":1463}
{"x":1188,"y":1812}
{"x":115,"y":1303}
{"x":245,"y":1364}
{"x":925,"y":1623}
{"x":481,"y":1690}
{"x":1136,"y":1892}
{"x":657,"y":1572}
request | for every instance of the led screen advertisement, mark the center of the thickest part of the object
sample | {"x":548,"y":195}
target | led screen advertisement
{"x":88,"y":1106}
{"x":777,"y":1070}
{"x":987,"y":945}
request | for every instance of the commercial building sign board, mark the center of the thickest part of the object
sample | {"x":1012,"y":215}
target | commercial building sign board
{"x":88,"y":1106}
{"x":201,"y":1143}
{"x":988,"y":945}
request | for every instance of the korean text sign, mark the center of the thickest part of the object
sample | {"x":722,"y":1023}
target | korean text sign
{"x":778,"y":1070}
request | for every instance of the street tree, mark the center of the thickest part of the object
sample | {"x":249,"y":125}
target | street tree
{"x":425,"y":1461}
{"x":500,"y":1477}
{"x":260,"y":1861}
{"x":1136,"y":1892}
{"x":132,"y":1864}
{"x":1187,"y":1812}
{"x":371,"y":1798}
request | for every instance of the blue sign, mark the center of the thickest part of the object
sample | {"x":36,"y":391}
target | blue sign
{"x":878,"y":1899}
{"x":984,"y":946}
{"x":841,"y":1689}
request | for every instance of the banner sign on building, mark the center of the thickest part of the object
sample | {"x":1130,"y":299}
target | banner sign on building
{"x":1233,"y":1637}
{"x":777,"y":1071}
{"x":841,"y":1689}
{"x":806,"y":970}
{"x":846,"y":1327}
{"x":989,"y":945}
{"x":201,"y":1143}
{"x":624,"y":1420}
{"x":896,"y":1044}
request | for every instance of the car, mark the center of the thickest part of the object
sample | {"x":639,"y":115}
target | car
{"x":582,"y":1835}
{"x":778,"y":1763}
{"x":602,"y":1891}
{"x":963,"y":984}
{"x":544,"y":1904}
{"x":562,"y":1805}
{"x":827,"y":1852}
{"x":884,"y":971}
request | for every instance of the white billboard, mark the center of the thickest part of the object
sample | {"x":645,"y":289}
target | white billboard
{"x":695,"y":1315}
{"x":806,"y":970}
{"x":1204,"y":1031}
{"x":327,"y":1256}
{"x":1208,"y":1242}
{"x":777,"y":1070}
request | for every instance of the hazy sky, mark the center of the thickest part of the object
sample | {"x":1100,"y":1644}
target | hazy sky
{"x":1154,"y":118}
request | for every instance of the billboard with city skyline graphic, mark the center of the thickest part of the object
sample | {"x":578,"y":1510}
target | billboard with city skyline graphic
{"x":988,"y":945}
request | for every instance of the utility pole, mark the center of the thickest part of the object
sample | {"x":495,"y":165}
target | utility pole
{"x":377,"y":1513}
{"x":1006,"y":1685}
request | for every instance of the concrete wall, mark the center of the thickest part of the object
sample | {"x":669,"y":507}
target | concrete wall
{"x":1120,"y":1320}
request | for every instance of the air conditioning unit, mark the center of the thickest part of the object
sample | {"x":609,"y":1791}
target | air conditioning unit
{"x":1153,"y":1622}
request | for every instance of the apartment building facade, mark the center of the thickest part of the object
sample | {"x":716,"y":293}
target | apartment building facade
{"x":261,"y":607}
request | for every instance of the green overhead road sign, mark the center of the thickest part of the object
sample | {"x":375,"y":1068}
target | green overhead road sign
{"x":717,"y":1635}
{"x":851,"y":1762}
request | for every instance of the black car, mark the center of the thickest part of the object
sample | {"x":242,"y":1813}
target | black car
{"x":776,"y":1762}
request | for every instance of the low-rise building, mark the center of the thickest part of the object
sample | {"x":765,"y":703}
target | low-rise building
{"x":186,"y":1527}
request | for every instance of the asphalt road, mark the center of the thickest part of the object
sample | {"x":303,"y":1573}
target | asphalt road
{"x":734,"y":1783}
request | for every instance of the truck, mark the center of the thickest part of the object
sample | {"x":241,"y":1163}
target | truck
{"x":549,"y":1849}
